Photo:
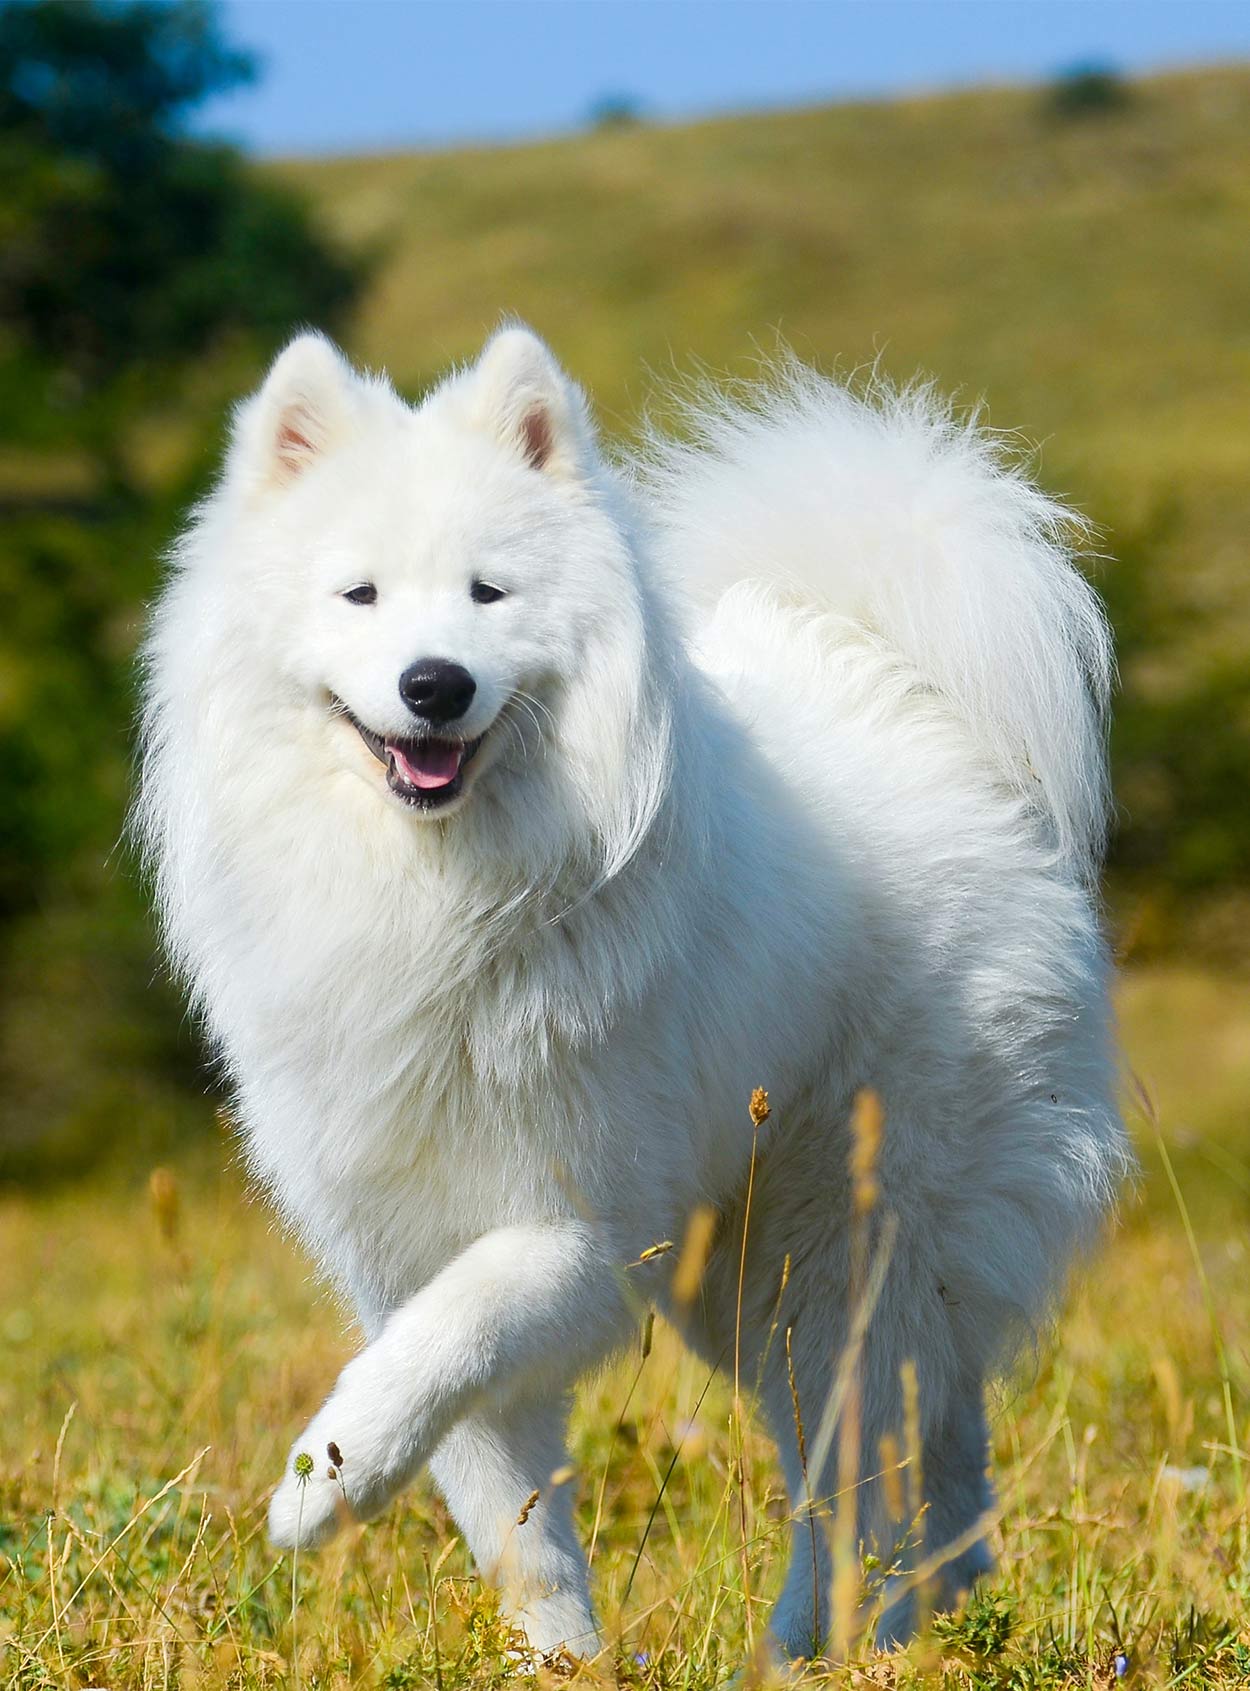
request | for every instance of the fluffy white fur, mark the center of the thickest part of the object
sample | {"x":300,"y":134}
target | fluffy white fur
{"x":834,"y":825}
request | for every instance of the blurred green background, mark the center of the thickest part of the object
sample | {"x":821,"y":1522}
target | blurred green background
{"x":1076,"y":255}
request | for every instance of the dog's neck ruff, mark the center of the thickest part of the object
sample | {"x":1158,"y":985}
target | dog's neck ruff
{"x":490,"y":933}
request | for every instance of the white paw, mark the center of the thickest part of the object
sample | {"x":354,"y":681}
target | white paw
{"x":345,"y":1467}
{"x":310,"y":1504}
{"x":561,"y":1625}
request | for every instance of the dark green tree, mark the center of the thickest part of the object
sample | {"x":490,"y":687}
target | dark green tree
{"x":127,"y":248}
{"x":141,"y":271}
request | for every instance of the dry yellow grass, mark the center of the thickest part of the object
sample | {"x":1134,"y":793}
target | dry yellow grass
{"x":160,"y":1344}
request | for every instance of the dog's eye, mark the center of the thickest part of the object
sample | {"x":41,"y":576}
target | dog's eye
{"x":483,"y":593}
{"x":365,"y":594}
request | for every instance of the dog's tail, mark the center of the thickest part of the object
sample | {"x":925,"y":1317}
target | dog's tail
{"x":886,"y":507}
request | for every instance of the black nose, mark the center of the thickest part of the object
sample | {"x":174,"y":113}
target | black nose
{"x":436,"y":689}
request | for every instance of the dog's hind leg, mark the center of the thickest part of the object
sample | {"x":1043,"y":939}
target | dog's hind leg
{"x":790,"y":1324}
{"x":500,"y":1471}
{"x":800,"y":1619}
{"x":957,"y":1493}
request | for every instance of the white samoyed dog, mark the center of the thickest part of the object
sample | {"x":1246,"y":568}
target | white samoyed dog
{"x":515,"y":816}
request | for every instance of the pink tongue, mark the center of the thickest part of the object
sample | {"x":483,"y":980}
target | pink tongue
{"x":435,"y":764}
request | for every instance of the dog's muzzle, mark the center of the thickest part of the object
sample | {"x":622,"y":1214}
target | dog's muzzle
{"x":426,"y":771}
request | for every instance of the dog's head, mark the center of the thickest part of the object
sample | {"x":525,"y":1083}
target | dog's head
{"x":450,"y":589}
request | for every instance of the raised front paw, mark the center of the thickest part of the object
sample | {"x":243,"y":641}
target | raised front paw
{"x":357,"y":1452}
{"x":311,"y":1503}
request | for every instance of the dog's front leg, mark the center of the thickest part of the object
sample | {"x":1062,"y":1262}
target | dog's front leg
{"x":521,"y":1311}
{"x":503,"y":1473}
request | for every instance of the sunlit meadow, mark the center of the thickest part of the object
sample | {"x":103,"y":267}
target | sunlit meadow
{"x":161,"y":1344}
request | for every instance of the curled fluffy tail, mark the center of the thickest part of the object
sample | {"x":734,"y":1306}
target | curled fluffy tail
{"x":889,"y":509}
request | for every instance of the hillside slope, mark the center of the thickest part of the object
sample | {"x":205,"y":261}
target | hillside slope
{"x":1087,"y":276}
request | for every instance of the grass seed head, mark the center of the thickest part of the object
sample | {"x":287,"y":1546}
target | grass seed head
{"x":867,"y":1125}
{"x":163,"y":1195}
{"x":891,"y":1476}
{"x":529,"y":1503}
{"x":694,"y":1254}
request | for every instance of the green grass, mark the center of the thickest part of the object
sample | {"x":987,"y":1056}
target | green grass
{"x":155,"y":1361}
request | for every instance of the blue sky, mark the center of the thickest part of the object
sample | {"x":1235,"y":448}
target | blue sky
{"x":347,"y":75}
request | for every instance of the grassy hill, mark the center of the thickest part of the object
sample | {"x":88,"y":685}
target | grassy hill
{"x":1086,"y":275}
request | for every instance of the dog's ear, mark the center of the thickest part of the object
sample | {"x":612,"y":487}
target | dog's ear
{"x":518,"y":391}
{"x":306,"y":405}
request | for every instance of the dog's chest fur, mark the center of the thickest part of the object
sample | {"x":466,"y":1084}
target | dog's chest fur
{"x":444,"y":1067}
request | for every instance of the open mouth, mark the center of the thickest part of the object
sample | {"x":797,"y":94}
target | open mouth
{"x":425,"y":771}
